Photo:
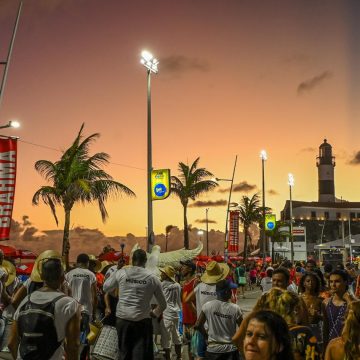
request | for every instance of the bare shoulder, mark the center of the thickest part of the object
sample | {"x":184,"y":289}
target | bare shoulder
{"x":335,"y":349}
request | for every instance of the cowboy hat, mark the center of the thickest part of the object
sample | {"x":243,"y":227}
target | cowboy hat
{"x":92,"y":258}
{"x":169,"y":271}
{"x":215,"y":272}
{"x":43,"y":257}
{"x":10,"y":269}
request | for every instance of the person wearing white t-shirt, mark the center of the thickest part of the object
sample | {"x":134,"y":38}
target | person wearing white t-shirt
{"x":169,"y":325}
{"x":82,"y":283}
{"x":204,"y":292}
{"x":66,"y":320}
{"x":223,"y":318}
{"x":266,"y":282}
{"x":136,"y":286}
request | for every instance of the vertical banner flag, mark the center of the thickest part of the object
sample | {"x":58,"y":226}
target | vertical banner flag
{"x":270,"y":222}
{"x":234,"y":231}
{"x":8,"y":155}
{"x":160,"y":184}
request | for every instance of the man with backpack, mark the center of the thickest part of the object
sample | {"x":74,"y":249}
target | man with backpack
{"x":47,"y":322}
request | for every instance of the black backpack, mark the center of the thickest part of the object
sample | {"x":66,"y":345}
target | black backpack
{"x":37,"y":330}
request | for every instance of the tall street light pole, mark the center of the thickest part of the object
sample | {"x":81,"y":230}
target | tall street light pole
{"x":151,"y":64}
{"x":291,"y":182}
{"x":226,"y":245}
{"x":6,"y":63}
{"x":263,"y":156}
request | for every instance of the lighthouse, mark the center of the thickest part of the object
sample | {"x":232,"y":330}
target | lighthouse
{"x":325,"y":163}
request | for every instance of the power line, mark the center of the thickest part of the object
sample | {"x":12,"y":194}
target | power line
{"x":51,"y":148}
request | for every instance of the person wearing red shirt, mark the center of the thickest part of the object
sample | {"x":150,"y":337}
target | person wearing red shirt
{"x":188,"y":309}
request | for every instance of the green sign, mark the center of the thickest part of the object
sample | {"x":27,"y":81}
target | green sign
{"x":270,"y":222}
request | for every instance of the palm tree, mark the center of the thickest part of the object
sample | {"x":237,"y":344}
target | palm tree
{"x":191,"y":183}
{"x":77,"y":177}
{"x":250,"y":212}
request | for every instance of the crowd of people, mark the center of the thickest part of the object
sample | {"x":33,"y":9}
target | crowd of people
{"x":303,"y":312}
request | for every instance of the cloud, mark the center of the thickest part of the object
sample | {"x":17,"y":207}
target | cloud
{"x":272,"y":192}
{"x":204,"y":221}
{"x":356,"y":159}
{"x":308,"y":149}
{"x":178,"y":64}
{"x":243,"y":186}
{"x":297,"y":59}
{"x":308,"y":85}
{"x":208,"y":203}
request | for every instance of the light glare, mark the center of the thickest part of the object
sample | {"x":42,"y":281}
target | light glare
{"x":14,"y":124}
{"x":148,"y":60}
{"x":263,"y":155}
{"x":291,"y":180}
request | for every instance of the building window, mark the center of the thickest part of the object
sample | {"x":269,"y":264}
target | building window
{"x":338,"y":216}
{"x":358,"y":215}
{"x":326,"y":215}
{"x":352,"y":215}
{"x":313,"y":214}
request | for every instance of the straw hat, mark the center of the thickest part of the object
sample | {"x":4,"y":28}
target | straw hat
{"x":43,"y":257}
{"x":105,"y":264}
{"x":169,"y":271}
{"x":92,"y":258}
{"x":215,"y":272}
{"x":10,"y":269}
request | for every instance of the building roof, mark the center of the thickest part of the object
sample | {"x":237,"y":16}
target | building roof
{"x":332,"y":205}
{"x":285,"y":213}
{"x":339,"y":243}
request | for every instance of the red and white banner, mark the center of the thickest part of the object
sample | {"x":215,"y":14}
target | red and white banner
{"x":8,"y":155}
{"x":234,"y":231}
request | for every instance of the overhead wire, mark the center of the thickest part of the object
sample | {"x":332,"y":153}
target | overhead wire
{"x":51,"y":148}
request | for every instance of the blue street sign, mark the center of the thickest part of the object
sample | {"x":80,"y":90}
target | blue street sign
{"x":270,"y":225}
{"x":160,"y":190}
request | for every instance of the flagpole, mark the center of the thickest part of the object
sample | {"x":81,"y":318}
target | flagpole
{"x":7,"y":62}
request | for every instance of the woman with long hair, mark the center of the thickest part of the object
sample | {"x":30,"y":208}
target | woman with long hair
{"x":264,"y":335}
{"x":309,"y":289}
{"x":289,"y":306}
{"x":347,"y":346}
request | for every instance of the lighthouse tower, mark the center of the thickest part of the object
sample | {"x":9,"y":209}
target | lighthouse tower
{"x":325,"y":163}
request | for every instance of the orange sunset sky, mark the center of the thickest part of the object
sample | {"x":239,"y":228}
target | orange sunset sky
{"x":235,"y":77}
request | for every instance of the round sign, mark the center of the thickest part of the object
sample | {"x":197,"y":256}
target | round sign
{"x":160,"y":190}
{"x":270,"y":225}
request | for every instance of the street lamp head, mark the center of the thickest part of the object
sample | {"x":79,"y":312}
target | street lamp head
{"x":14,"y":124}
{"x":291,"y":180}
{"x":263,"y":155}
{"x":200,"y":232}
{"x":148,"y":60}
